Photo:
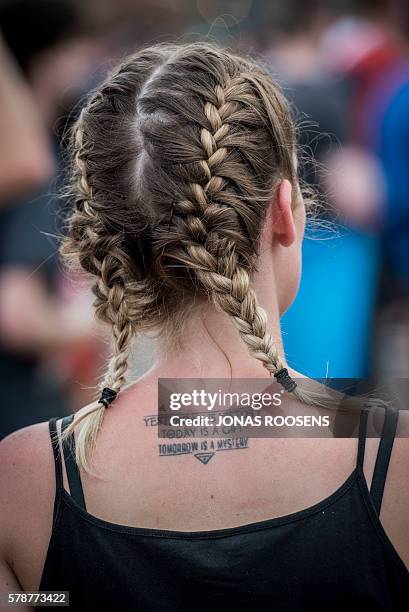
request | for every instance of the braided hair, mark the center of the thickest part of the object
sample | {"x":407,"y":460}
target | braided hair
{"x":174,"y":159}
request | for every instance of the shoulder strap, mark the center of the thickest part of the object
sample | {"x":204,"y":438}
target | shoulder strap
{"x":362,"y":438}
{"x":52,"y":426}
{"x":73,"y":474}
{"x":384,"y":455}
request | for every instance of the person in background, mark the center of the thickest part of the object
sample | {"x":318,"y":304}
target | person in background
{"x":322,"y":95}
{"x":25,"y":157}
{"x":46,"y":325}
{"x":379,"y":68}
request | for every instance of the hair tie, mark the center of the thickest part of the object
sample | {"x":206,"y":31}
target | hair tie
{"x":285,"y":379}
{"x":107,"y":396}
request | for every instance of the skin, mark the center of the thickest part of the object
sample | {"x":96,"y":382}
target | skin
{"x":26,"y":160}
{"x":271,"y":478}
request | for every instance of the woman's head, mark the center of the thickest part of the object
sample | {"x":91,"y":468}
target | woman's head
{"x":179,"y":158}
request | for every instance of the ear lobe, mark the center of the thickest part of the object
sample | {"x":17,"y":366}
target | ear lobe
{"x":282,"y":214}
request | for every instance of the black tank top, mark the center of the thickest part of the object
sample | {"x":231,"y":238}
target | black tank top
{"x":334,"y":555}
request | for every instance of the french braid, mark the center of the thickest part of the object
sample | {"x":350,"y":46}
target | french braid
{"x":119,"y":302}
{"x":175,"y":157}
{"x":225,"y":280}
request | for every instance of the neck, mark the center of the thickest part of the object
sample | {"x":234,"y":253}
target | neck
{"x":211,"y":345}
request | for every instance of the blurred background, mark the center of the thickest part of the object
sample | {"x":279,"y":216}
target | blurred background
{"x":343,"y":64}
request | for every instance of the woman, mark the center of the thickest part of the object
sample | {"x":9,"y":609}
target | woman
{"x":188,"y":213}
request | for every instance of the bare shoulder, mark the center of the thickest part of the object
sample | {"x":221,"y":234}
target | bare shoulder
{"x":403,"y":424}
{"x":27,"y":481}
{"x":395,"y":505}
{"x":22,"y":451}
{"x":398,"y":472}
{"x":400,"y":453}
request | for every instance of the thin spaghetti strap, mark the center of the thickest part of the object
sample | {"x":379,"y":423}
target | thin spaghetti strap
{"x":383,"y":456}
{"x":71,"y":468}
{"x":362,"y":438}
{"x":52,"y":426}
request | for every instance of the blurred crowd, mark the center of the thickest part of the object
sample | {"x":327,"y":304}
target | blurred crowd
{"x":344,"y":65}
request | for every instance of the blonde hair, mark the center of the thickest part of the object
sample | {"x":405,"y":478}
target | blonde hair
{"x":175,"y":157}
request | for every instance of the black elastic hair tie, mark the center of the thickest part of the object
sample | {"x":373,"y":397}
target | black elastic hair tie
{"x":107,"y":396}
{"x":285,"y":379}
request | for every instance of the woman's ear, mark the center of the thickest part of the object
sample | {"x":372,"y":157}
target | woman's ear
{"x":282,"y":214}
